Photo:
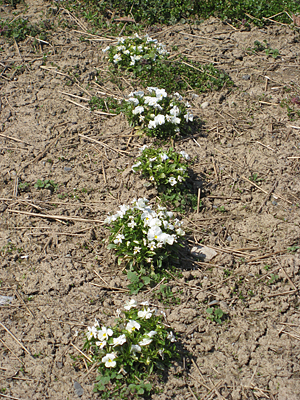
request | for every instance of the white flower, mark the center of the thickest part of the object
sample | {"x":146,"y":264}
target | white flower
{"x":141,"y":203}
{"x":101,"y":344}
{"x":164,"y":157}
{"x":152,"y":124}
{"x":145,"y":342}
{"x":159,"y":119}
{"x":175,"y":120}
{"x":145,"y":313}
{"x":135,"y":348}
{"x":154,"y":222}
{"x":145,"y":303}
{"x":141,"y":118}
{"x":152,"y":89}
{"x":92,"y":332}
{"x":117,"y":58}
{"x":154,"y":233}
{"x":153,"y":159}
{"x":106,"y":49}
{"x":136,"y":250}
{"x":172,"y":181}
{"x":185,"y":155}
{"x":158,"y":107}
{"x":152,"y":178}
{"x":187,"y":104}
{"x":109,"y":360}
{"x":119,"y":340}
{"x":178,"y":95}
{"x":139,"y":93}
{"x":151,"y":333}
{"x":180,"y":232}
{"x":136,"y":165}
{"x":133,"y":100}
{"x":131,"y":224}
{"x":161,"y":93}
{"x":141,"y":149}
{"x":171,"y":337}
{"x":119,"y":238}
{"x":126,"y":52}
{"x":137,"y":36}
{"x":189,"y":116}
{"x":138,"y":110}
{"x":161,"y":353}
{"x":150,"y":100}
{"x":121,"y":48}
{"x":121,"y":40}
{"x":175,"y":111}
{"x":130,"y":304}
{"x":166,"y":238}
{"x":132,"y":326}
{"x":152,"y":246}
{"x":104,"y":333}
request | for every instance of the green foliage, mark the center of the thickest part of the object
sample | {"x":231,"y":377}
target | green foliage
{"x":166,"y":296}
{"x":254,"y":178}
{"x":12,"y":3}
{"x":274,"y":278}
{"x":216,"y":314}
{"x":168,"y":172}
{"x":138,"y":345}
{"x":290,"y":105}
{"x":18,"y":29}
{"x":109,"y":104}
{"x":170,"y":12}
{"x":46,"y":184}
{"x":23,"y":186}
{"x":258,"y":46}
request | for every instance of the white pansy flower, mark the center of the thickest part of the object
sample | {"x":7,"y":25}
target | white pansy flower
{"x":135,"y":348}
{"x":189,"y":116}
{"x":151,"y":333}
{"x":154,"y":222}
{"x":117,"y":58}
{"x":126,"y":52}
{"x":119,"y":238}
{"x":185,"y":155}
{"x":152,"y":89}
{"x":133,"y":100}
{"x":145,"y":303}
{"x":145,"y":314}
{"x":136,"y":250}
{"x":172,"y":181}
{"x":121,"y":40}
{"x":175,"y":111}
{"x":132,"y":326}
{"x":178,"y":96}
{"x":104,"y":333}
{"x":171,"y":337}
{"x":136,"y":165}
{"x":119,"y":340}
{"x":138,"y":110}
{"x":152,"y":178}
{"x":154,"y":233}
{"x":130,"y":304}
{"x":152,"y":246}
{"x":101,"y":344}
{"x":159,"y":119}
{"x":161,"y":93}
{"x":150,"y":100}
{"x":141,"y":118}
{"x":180,"y":232}
{"x":131,"y":224}
{"x":109,"y":360}
{"x":145,"y":342}
{"x":175,"y":120}
{"x":152,"y":124}
{"x":141,"y":149}
{"x":164,"y":157}
{"x":92,"y":332}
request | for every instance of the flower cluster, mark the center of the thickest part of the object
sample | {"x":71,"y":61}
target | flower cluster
{"x":133,"y":52}
{"x":157,"y":113}
{"x":142,"y":236}
{"x":137,"y":344}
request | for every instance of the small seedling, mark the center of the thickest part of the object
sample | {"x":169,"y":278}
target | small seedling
{"x":273,"y":279}
{"x":216,"y":314}
{"x":23,"y":186}
{"x":46,"y":184}
{"x":293,"y":249}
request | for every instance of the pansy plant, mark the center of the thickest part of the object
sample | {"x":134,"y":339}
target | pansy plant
{"x":167,"y":170}
{"x":135,"y":53}
{"x":142,"y":237}
{"x":138,"y":344}
{"x":157,"y":113}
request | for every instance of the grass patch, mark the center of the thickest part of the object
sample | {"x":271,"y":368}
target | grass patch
{"x":19,"y":29}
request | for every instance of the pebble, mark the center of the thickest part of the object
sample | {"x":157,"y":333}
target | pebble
{"x":5,"y":300}
{"x":78,"y":389}
{"x":205,"y":104}
{"x":246,"y":77}
{"x":213,"y":303}
{"x":229,"y":239}
{"x":67,"y":169}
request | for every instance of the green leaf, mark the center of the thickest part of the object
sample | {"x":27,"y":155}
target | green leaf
{"x":146,"y":280}
{"x":210,"y":310}
{"x":112,"y":246}
{"x":132,"y":276}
